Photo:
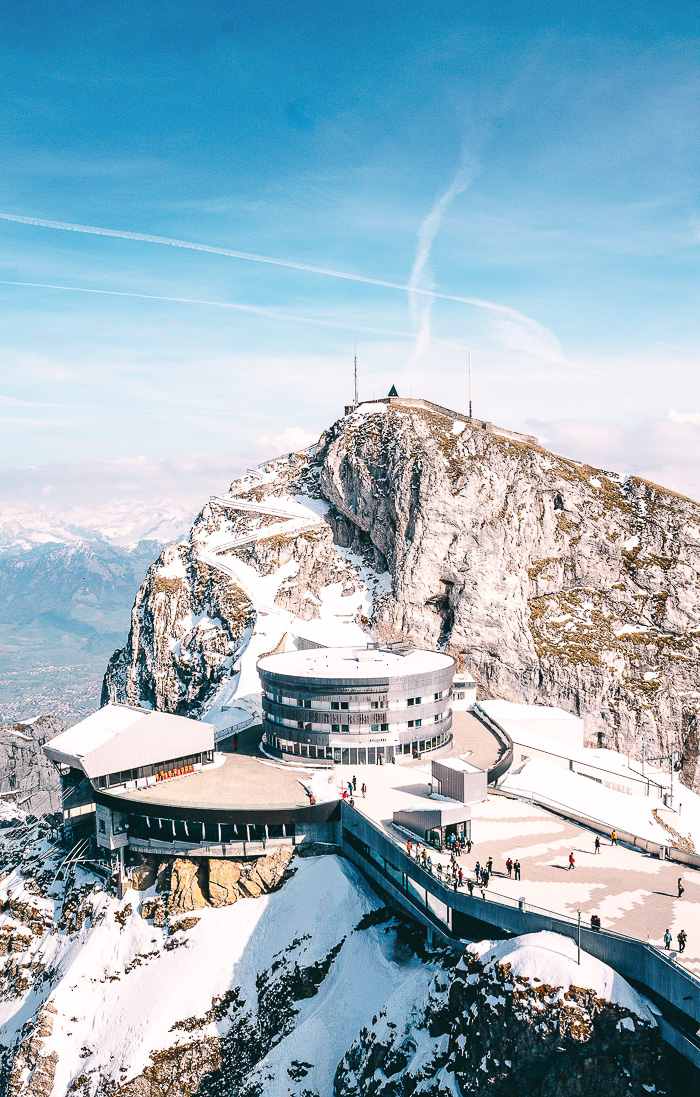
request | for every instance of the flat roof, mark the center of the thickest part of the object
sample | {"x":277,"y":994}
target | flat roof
{"x":241,"y":783}
{"x":511,"y":710}
{"x":359,"y":663}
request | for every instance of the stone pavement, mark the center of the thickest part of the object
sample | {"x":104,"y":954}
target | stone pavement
{"x":632,"y":893}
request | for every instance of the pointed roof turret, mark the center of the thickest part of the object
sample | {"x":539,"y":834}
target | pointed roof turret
{"x":392,"y":391}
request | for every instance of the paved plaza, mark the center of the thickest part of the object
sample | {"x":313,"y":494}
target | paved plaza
{"x":632,"y":893}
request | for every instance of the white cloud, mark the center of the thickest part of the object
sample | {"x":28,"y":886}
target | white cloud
{"x":685,"y":417}
{"x":291,"y":439}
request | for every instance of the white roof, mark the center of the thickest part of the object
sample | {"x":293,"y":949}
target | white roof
{"x":360,"y":663}
{"x":122,"y":737}
{"x":96,"y":729}
{"x":503,"y":710}
{"x":460,"y":764}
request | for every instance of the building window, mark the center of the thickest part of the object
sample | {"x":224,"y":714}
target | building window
{"x":439,"y":696}
{"x":418,"y":723}
{"x":411,"y":723}
{"x":300,"y":723}
{"x":102,"y":826}
{"x":345,"y":704}
{"x":335,"y":729}
{"x":438,"y":717}
{"x":410,"y":701}
{"x":335,"y":705}
{"x":345,"y":728}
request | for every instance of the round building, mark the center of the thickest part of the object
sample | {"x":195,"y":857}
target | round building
{"x":357,"y":706}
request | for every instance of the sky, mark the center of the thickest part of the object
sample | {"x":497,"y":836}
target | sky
{"x":521,"y":180}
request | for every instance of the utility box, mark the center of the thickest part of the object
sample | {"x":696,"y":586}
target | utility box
{"x":459,"y":780}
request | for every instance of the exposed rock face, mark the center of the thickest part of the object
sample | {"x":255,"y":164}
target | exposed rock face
{"x":187,"y":627}
{"x":25,"y":770}
{"x":554,"y":582}
{"x":194,"y":884}
{"x":483,"y":1029}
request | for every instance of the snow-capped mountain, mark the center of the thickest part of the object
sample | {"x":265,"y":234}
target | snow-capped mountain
{"x":288,"y":980}
{"x":552,"y":581}
{"x":67,"y":581}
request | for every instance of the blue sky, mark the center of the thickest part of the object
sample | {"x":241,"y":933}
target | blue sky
{"x":543,"y":160}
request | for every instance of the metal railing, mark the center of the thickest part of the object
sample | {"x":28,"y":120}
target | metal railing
{"x":624,"y":837}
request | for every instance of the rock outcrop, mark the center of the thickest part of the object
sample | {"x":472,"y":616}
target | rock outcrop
{"x":553,"y":581}
{"x":483,"y":1028}
{"x":27,"y":778}
{"x":192,"y":884}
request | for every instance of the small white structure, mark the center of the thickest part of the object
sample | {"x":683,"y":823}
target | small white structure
{"x":463,"y":691}
{"x":533,"y":726}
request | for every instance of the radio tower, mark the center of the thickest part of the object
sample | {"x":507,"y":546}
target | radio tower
{"x":470,"y":384}
{"x":356,"y":374}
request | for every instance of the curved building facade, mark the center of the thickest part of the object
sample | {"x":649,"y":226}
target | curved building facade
{"x":357,"y":706}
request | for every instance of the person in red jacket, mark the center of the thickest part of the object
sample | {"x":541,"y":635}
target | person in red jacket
{"x":572,"y":861}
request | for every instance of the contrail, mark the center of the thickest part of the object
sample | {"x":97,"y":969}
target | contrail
{"x":517,"y":327}
{"x":217,"y":304}
{"x":91,"y":230}
{"x":427,"y":232}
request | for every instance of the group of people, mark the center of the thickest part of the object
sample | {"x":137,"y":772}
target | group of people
{"x":350,"y":791}
{"x":682,"y":938}
{"x":458,"y":843}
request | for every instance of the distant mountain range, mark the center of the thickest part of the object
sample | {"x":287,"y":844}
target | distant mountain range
{"x":67,"y":583}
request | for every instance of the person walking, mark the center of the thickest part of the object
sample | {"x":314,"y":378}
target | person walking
{"x":470,"y":887}
{"x":681,"y":889}
{"x":509,"y":867}
{"x":682,"y":938}
{"x":354,"y":783}
{"x":489,"y":865}
{"x":572,"y":861}
{"x":667,"y":939}
{"x":409,"y":847}
{"x":477,"y":869}
{"x":486,"y":876}
{"x":364,"y":790}
{"x":613,"y":838}
{"x":461,"y":877}
{"x":597,"y":844}
{"x":235,"y":744}
{"x":469,"y":845}
{"x":516,"y":869}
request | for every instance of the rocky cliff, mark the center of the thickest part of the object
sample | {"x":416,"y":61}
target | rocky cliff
{"x":29,"y":783}
{"x":554,"y":582}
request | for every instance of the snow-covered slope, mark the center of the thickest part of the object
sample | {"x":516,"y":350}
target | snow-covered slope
{"x":309,"y":990}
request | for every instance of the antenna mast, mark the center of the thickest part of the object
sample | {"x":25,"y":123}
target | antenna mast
{"x":470,"y":384}
{"x":356,"y":374}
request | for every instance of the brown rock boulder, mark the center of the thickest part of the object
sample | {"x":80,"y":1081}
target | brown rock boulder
{"x":187,"y":887}
{"x":143,"y":876}
{"x":224,"y":879}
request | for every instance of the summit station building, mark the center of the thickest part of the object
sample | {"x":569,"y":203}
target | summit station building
{"x":357,"y":706}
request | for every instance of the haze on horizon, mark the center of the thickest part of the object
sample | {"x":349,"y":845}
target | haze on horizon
{"x":535,"y":168}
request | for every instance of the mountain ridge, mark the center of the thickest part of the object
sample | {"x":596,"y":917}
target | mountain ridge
{"x":553,"y":581}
